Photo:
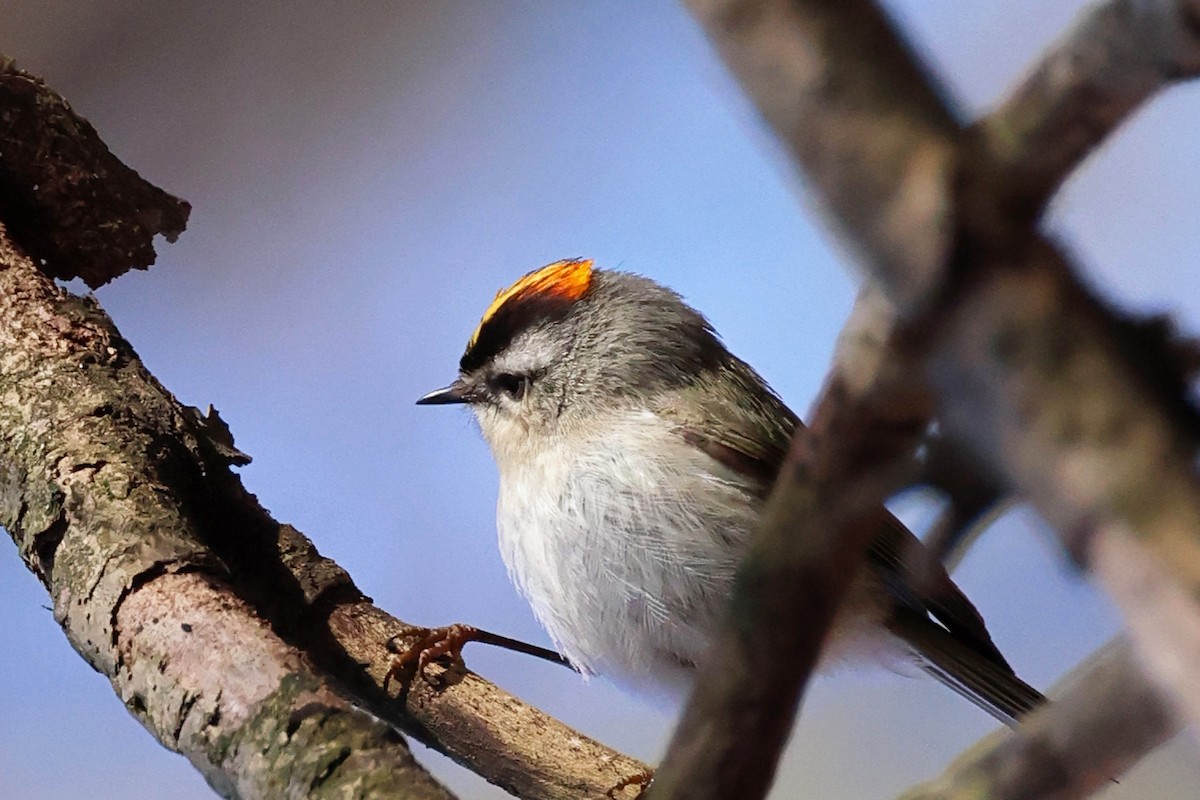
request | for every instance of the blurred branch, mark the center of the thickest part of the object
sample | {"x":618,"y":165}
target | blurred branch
{"x":227,"y":634}
{"x":1105,"y":717}
{"x":861,"y":118}
{"x":1164,"y":618}
{"x":1048,"y":386}
{"x":1117,"y":56}
{"x":975,"y":499}
{"x":824,"y":510}
{"x":1039,"y":373}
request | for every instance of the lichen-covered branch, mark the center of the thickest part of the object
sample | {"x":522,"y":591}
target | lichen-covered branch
{"x":1104,"y":717}
{"x":101,"y":473}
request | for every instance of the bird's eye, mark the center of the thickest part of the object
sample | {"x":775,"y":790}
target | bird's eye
{"x":511,"y":384}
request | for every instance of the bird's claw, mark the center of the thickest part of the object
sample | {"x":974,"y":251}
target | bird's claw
{"x":641,"y":780}
{"x":425,"y":646}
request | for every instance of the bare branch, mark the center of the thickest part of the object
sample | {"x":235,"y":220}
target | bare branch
{"x":65,"y":497}
{"x":1164,"y":619}
{"x":90,"y":489}
{"x":479,"y":725}
{"x":1105,"y":716}
{"x":121,"y":501}
{"x":1049,"y":384}
{"x":64,"y":198}
{"x":1117,"y":56}
{"x":824,"y":510}
{"x":462,"y":715}
{"x":862,"y":119}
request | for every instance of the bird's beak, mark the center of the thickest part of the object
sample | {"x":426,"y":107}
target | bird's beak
{"x":454,"y":393}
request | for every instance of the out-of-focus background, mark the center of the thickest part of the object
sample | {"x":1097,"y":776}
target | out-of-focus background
{"x":365,"y":176}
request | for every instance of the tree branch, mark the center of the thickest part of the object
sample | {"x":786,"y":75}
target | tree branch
{"x":1164,"y":618}
{"x":70,"y":204}
{"x":92,"y":458}
{"x":823,"y":512}
{"x":1051,"y":385}
{"x":1105,"y":716}
{"x":1117,"y":56}
{"x":1045,"y":384}
{"x":225,"y":632}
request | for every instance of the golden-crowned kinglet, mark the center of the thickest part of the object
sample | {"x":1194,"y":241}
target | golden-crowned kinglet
{"x":635,"y":454}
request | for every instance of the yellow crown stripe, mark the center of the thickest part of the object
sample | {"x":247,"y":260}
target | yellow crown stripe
{"x":567,"y":279}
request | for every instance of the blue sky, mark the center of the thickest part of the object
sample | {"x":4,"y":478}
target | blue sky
{"x":363,"y":181}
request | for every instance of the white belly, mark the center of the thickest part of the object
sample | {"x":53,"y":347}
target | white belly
{"x":627,"y":561}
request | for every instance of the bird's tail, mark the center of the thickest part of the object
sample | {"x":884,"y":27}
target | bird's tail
{"x":992,"y":686}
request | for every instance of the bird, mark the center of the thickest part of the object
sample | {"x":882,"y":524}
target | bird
{"x":635,"y":455}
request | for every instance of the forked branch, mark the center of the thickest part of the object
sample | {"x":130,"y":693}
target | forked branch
{"x":1046,"y":385}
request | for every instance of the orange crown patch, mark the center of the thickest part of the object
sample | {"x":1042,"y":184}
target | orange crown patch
{"x":565,"y":280}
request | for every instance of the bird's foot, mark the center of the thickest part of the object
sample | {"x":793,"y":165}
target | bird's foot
{"x":641,"y":780}
{"x":426,"y":645}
